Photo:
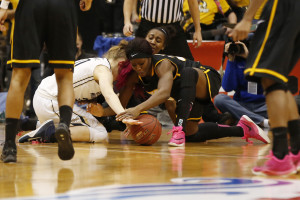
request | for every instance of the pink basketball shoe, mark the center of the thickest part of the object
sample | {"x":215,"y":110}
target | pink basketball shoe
{"x":251,"y":130}
{"x":276,"y":167}
{"x":178,"y":137}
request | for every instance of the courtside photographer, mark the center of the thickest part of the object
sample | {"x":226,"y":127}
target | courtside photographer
{"x":248,"y":98}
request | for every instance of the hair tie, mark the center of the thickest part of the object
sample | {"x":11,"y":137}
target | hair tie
{"x":162,"y":30}
{"x":135,"y":55}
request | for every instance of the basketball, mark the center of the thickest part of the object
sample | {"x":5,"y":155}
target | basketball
{"x":148,"y":132}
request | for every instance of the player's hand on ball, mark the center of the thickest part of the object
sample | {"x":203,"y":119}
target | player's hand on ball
{"x":126,"y":132}
{"x":127,"y":114}
{"x":95,"y":109}
{"x":131,"y":121}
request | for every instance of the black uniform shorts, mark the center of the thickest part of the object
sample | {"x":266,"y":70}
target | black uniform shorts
{"x":49,"y":22}
{"x":214,"y":84}
{"x":275,"y":47}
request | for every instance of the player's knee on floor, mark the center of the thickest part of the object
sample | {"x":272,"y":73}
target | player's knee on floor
{"x":276,"y":86}
{"x":191,"y":127}
{"x":98,"y":134}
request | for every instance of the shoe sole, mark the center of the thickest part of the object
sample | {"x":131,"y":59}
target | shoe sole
{"x":261,"y":133}
{"x":175,"y":145}
{"x":271,"y":173}
{"x":9,"y":159}
{"x":26,"y":137}
{"x":65,"y":146}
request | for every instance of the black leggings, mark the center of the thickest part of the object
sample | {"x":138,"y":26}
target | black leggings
{"x":209,"y":131}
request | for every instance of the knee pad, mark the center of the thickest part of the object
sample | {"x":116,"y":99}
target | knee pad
{"x":98,"y":134}
{"x":276,"y":86}
{"x":189,"y":77}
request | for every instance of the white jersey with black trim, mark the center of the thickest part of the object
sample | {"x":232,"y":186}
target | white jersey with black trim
{"x":85,"y":86}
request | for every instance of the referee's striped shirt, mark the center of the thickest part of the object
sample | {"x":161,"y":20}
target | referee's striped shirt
{"x":162,"y":11}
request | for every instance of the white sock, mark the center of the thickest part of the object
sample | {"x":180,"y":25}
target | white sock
{"x":266,"y":123}
{"x":38,"y":124}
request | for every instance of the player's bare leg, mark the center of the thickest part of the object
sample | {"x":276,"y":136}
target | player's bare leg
{"x":14,"y":105}
{"x":279,"y":108}
{"x":64,"y":79}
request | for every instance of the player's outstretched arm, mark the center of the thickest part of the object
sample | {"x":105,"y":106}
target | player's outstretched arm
{"x":105,"y":80}
{"x":164,"y":87}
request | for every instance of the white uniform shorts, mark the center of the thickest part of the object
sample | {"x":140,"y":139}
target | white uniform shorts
{"x":46,"y":108}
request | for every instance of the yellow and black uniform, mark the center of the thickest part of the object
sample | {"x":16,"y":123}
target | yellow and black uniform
{"x":210,"y":10}
{"x":53,"y":22}
{"x":274,"y":49}
{"x":260,"y":9}
{"x":242,"y":3}
{"x":212,"y":76}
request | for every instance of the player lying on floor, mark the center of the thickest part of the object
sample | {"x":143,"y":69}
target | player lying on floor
{"x":191,"y":84}
{"x":158,"y":37}
{"x":92,"y":77}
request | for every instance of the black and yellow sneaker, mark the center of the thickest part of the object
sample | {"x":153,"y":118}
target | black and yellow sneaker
{"x":65,"y":146}
{"x":9,"y":153}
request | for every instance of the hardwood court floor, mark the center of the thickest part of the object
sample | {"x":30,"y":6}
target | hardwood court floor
{"x":218,"y":169}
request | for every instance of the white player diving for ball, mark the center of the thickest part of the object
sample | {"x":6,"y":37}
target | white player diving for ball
{"x":92,"y":77}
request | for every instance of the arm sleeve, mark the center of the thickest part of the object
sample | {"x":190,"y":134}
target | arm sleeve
{"x":230,"y":81}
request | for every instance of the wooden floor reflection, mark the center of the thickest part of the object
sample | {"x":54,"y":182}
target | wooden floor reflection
{"x":39,"y":171}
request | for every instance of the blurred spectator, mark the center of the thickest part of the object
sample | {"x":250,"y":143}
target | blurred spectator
{"x":2,"y":106}
{"x":113,"y":19}
{"x":91,"y":24}
{"x":212,"y":14}
{"x":105,"y":41}
{"x":297,"y":98}
{"x":80,"y":53}
{"x":248,"y":98}
{"x":239,"y":7}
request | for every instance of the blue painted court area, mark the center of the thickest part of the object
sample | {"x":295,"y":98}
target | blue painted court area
{"x":192,"y":188}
